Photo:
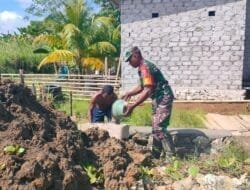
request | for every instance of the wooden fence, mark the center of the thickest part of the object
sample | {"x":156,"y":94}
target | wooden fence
{"x":81,"y":86}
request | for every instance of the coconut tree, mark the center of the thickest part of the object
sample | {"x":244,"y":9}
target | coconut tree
{"x":88,"y":39}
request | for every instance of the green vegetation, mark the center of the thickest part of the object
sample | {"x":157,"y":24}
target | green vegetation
{"x":193,"y":170}
{"x":78,"y":37}
{"x":14,"y":149}
{"x":16,"y":53}
{"x":72,"y":31}
{"x":187,"y":118}
{"x":141,"y":116}
{"x":95,"y":176}
{"x":80,"y":108}
{"x":173,"y":170}
{"x":146,"y":172}
{"x":2,"y":167}
{"x":232,"y":161}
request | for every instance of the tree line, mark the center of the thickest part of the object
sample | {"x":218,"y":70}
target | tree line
{"x":70,"y":33}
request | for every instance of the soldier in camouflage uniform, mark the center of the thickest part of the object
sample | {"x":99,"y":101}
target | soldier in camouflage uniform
{"x":153,"y":85}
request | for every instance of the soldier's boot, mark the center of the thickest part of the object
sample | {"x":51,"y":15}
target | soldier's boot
{"x":168,"y":147}
{"x":155,"y":146}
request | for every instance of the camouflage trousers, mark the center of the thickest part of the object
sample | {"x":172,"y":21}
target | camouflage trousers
{"x":162,"y":142}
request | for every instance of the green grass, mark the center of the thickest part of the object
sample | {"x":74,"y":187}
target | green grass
{"x":80,"y":107}
{"x":187,"y":118}
{"x":230,"y":161}
{"x":179,"y":119}
{"x":141,"y":115}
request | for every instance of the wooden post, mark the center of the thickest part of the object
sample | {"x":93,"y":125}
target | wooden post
{"x":40,"y":92}
{"x":55,"y":68}
{"x":118,"y":70}
{"x":70,"y":103}
{"x":21,"y":76}
{"x":0,"y":78}
{"x":33,"y":89}
{"x":106,"y":66}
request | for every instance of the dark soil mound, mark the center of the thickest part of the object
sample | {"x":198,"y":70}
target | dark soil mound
{"x":55,"y":151}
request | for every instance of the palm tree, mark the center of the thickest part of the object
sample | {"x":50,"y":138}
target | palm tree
{"x":87,"y":39}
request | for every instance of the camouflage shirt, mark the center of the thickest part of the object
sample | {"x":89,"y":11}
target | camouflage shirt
{"x":150,"y":75}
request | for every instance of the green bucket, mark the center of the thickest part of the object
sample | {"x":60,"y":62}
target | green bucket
{"x":118,"y":108}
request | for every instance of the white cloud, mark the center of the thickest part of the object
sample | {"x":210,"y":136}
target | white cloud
{"x":9,"y":16}
{"x":10,"y":21}
{"x":24,"y":3}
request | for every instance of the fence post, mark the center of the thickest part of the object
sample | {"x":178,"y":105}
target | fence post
{"x":42,"y":98}
{"x":70,"y":103}
{"x":21,"y":76}
{"x":118,"y":71}
{"x":106,"y":66}
{"x":33,"y":89}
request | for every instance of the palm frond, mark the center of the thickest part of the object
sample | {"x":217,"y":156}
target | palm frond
{"x":116,"y":35}
{"x":103,"y":21}
{"x":69,"y":34}
{"x":50,"y":40}
{"x":102,"y":27}
{"x":52,"y":25}
{"x":74,"y":12}
{"x":57,"y":56}
{"x":93,"y":63}
{"x":102,"y":48}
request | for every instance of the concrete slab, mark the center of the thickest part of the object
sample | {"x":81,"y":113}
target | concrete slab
{"x":241,"y":134}
{"x":211,"y":123}
{"x":120,"y":131}
{"x":210,"y":133}
{"x":246,"y":120}
{"x":124,"y":131}
{"x":226,"y":122}
{"x":244,"y":123}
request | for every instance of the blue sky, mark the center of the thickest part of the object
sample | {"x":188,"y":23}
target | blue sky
{"x":12,"y":13}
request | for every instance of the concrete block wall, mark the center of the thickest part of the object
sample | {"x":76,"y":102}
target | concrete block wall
{"x":246,"y":66}
{"x":198,"y":53}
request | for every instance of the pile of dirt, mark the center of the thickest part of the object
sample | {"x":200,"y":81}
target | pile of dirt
{"x":56,"y":152}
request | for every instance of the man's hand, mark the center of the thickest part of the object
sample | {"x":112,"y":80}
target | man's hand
{"x":133,"y":92}
{"x":126,"y":97}
{"x":129,"y":109}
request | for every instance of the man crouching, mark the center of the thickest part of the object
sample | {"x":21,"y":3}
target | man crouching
{"x":101,"y":105}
